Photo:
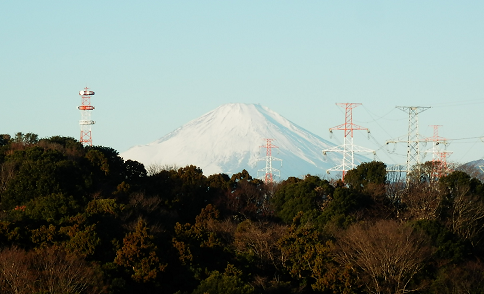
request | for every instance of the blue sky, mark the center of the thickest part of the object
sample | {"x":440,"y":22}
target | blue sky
{"x":156,"y":65}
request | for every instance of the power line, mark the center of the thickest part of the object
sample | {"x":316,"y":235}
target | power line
{"x":451,"y":104}
{"x":381,"y":117}
{"x":376,"y":120}
{"x":468,"y":138}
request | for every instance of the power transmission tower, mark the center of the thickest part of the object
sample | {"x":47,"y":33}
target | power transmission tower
{"x":269,"y":171}
{"x":413,"y":137}
{"x":348,"y":148}
{"x":439,"y":157}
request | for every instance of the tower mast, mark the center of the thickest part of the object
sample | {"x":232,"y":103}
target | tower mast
{"x":85,"y":123}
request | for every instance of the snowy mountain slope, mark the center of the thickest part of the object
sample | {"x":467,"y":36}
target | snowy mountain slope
{"x":229,"y":139}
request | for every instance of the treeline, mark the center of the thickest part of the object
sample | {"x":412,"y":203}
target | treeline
{"x":80,"y":219}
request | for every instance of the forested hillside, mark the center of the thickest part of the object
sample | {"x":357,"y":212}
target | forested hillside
{"x":76,"y":219}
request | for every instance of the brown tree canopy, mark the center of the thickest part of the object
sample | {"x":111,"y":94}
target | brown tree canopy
{"x":388,"y":254}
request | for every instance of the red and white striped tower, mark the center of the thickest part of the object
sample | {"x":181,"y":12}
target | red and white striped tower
{"x":439,"y":156}
{"x":86,"y":122}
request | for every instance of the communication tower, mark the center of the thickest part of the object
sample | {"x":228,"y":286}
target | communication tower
{"x":269,"y":170}
{"x":85,"y":123}
{"x":348,"y":148}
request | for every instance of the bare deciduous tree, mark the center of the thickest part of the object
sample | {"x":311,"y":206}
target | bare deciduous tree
{"x":14,"y":272}
{"x":47,"y":270}
{"x":61,"y":272}
{"x":260,"y":239}
{"x":421,"y":201}
{"x":8,"y":171}
{"x":154,"y":169}
{"x":387,"y":254}
{"x":466,"y":217}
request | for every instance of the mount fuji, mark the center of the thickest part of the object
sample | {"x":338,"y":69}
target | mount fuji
{"x":233,"y":137}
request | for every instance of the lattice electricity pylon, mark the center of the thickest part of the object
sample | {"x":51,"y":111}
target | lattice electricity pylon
{"x":439,"y":157}
{"x":85,"y":123}
{"x":269,"y":171}
{"x":413,"y":137}
{"x":441,"y":164}
{"x":348,"y":148}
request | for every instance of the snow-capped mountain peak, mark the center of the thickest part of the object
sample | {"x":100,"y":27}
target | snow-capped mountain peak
{"x":230,"y":139}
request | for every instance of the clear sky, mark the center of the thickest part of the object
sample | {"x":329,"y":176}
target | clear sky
{"x":155,"y":65}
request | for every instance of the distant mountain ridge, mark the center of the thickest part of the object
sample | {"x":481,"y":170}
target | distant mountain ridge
{"x":229,"y":139}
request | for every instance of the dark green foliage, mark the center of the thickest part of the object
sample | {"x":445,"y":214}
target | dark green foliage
{"x":200,"y":245}
{"x":458,"y":180}
{"x":38,"y":172}
{"x":134,"y":170}
{"x":368,"y":172}
{"x":343,"y":204}
{"x":448,"y":247}
{"x":26,"y":139}
{"x":219,"y":186}
{"x":4,"y":139}
{"x":70,"y":146}
{"x":179,"y":231}
{"x":219,"y":182}
{"x":107,"y":168}
{"x":243,"y":175}
{"x":218,"y":283}
{"x":106,"y":215}
{"x":245,"y":198}
{"x":191,"y":193}
{"x":295,"y":195}
{"x":302,"y":245}
{"x":52,"y":207}
{"x":139,"y":255}
{"x":184,"y":190}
